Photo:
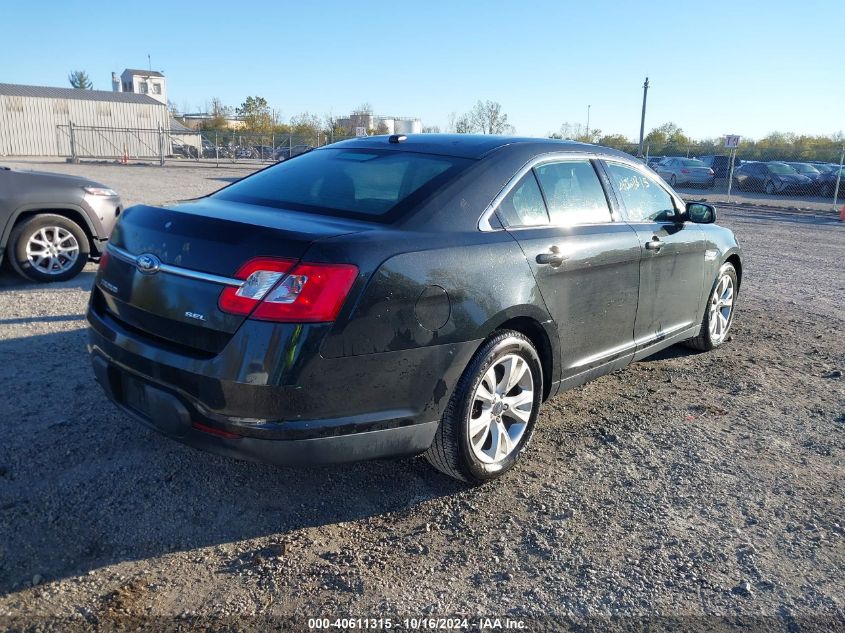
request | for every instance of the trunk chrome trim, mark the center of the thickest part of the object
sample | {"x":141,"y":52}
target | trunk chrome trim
{"x":129,"y":258}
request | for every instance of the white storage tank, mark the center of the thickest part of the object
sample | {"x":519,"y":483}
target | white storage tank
{"x":407,"y":126}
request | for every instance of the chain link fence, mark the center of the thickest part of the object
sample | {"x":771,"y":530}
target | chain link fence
{"x":202,"y":146}
{"x":753,"y":172}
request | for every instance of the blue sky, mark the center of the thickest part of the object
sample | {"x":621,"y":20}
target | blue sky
{"x":715,"y":67}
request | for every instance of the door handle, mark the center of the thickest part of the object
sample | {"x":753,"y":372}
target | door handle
{"x":552,"y":258}
{"x":654,"y":245}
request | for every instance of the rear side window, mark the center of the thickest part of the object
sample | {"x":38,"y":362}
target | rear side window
{"x":524,"y":205}
{"x":353,"y":182}
{"x":643,"y":198}
{"x":573,"y":193}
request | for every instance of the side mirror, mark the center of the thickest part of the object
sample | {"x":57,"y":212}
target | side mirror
{"x":700,"y":213}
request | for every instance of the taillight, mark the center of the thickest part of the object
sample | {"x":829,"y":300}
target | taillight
{"x":274,"y":291}
{"x":311,"y":292}
{"x":259,"y":275}
{"x":685,"y":171}
{"x":104,"y":260}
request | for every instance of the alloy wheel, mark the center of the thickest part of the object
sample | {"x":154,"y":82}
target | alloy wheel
{"x":52,"y":250}
{"x":721,"y":307}
{"x":501,"y":408}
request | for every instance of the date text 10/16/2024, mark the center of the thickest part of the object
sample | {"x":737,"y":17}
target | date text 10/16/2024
{"x":416,"y":624}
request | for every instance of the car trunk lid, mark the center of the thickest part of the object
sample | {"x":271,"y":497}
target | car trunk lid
{"x":167,"y":266}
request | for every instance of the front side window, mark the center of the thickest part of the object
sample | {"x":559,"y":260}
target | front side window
{"x":643,"y":198}
{"x":524,"y":205}
{"x":573,"y":193}
{"x":359,"y":183}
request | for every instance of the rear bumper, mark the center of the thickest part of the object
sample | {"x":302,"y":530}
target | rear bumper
{"x":173,"y":417}
{"x":697,"y":180}
{"x":303,"y":411}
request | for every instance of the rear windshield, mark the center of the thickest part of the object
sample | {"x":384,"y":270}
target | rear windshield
{"x":692,"y":162}
{"x":362,"y":183}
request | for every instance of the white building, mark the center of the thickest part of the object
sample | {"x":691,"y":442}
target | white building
{"x":36,"y":121}
{"x":145,"y":82}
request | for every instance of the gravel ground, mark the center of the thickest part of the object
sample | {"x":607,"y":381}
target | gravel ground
{"x":694,"y":491}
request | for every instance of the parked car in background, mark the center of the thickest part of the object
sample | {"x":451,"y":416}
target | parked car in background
{"x":284,"y":152}
{"x":653,"y":161}
{"x":825,"y":168}
{"x":51,"y":224}
{"x":719,"y":163}
{"x":773,"y":178}
{"x":390,"y":296}
{"x":826,"y":183}
{"x":686,"y":171}
{"x":264,"y":152}
{"x":805,"y":169}
{"x":183,"y":151}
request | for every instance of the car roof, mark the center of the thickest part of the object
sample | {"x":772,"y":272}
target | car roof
{"x":470,"y":145}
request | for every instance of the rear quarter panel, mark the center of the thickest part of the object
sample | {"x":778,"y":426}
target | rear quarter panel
{"x":484,"y":277}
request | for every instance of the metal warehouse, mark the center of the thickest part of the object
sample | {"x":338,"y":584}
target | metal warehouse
{"x":43,"y":121}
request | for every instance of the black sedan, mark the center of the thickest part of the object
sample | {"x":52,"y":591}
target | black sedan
{"x":826,"y":183}
{"x":773,"y":178}
{"x":391,"y":296}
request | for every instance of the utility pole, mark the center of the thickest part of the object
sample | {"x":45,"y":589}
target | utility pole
{"x":642,"y":120}
{"x":588,"y":122}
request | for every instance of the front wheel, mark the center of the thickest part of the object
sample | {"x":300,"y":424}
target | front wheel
{"x":491,"y":415}
{"x":673,"y":180}
{"x":719,"y":315}
{"x":770,"y":187}
{"x":48,"y":247}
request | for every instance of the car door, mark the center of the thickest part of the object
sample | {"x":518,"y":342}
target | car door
{"x":759,"y":172}
{"x":672,"y":262}
{"x":586,"y":264}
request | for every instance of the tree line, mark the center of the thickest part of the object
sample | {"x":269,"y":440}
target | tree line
{"x":669,"y":139}
{"x":489,"y":117}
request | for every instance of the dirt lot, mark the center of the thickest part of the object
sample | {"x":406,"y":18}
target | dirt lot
{"x":703,"y":489}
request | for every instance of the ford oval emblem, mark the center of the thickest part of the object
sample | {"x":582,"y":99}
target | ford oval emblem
{"x":148,"y":263}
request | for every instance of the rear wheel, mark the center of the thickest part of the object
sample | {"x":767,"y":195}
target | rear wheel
{"x":491,"y":415}
{"x":48,"y":247}
{"x":719,"y":314}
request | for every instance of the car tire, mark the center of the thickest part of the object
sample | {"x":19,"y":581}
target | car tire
{"x":40,"y":233}
{"x":672,"y":180}
{"x":708,"y":338}
{"x":454,"y":451}
{"x":769,"y":187}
